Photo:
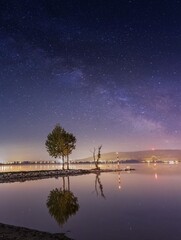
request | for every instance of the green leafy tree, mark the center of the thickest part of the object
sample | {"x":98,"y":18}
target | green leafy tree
{"x":60,"y":144}
{"x":70,"y":141}
{"x":55,"y":143}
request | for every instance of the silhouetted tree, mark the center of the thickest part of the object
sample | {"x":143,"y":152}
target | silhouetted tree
{"x":60,"y":144}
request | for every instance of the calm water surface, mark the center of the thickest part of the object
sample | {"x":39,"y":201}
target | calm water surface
{"x":145,"y":204}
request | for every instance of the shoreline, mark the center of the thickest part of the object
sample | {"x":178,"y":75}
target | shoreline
{"x":22,"y":176}
{"x":10,"y":232}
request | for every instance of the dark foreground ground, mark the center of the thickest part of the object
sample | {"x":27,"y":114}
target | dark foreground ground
{"x":8,"y":232}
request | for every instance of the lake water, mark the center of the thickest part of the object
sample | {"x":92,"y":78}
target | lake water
{"x":144,"y":204}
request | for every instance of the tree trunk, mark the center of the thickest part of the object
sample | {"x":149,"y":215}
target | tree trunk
{"x":97,"y":166}
{"x":94,"y":157}
{"x":63,"y":163}
{"x":68,"y":162}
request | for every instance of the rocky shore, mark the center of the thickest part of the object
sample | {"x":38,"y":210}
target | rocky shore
{"x":8,"y":232}
{"x":6,"y":177}
{"x":22,"y":176}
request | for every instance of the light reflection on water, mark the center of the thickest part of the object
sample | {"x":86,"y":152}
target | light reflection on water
{"x":145,"y":204}
{"x":36,"y":167}
{"x":29,"y":167}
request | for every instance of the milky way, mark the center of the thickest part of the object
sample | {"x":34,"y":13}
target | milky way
{"x":108,"y":71}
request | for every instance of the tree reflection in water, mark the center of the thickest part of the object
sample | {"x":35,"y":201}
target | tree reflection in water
{"x":99,"y":186}
{"x":62,"y":203}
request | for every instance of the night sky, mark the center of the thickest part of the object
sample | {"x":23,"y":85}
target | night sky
{"x":107,"y":71}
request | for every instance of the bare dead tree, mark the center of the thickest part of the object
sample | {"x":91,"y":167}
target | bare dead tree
{"x":97,"y":157}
